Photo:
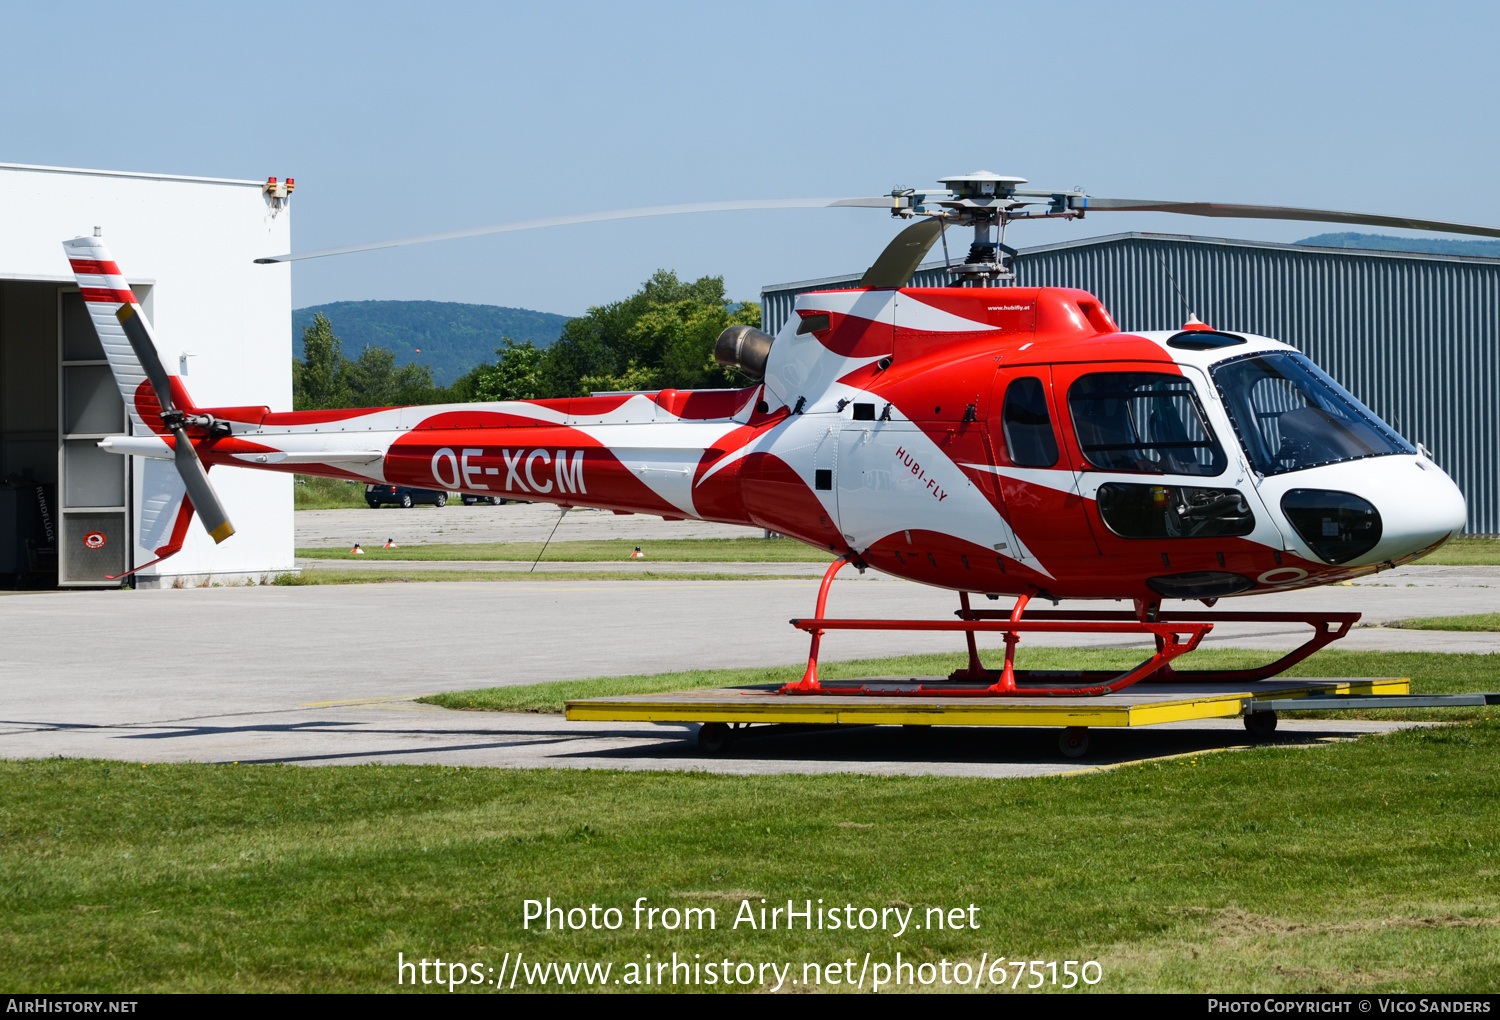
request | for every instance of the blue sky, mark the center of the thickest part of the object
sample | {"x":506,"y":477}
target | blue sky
{"x":399,"y":119}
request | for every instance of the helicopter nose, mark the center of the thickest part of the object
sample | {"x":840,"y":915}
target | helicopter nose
{"x":1376,"y":510}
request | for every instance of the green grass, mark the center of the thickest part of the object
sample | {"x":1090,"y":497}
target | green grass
{"x":1465,"y":552}
{"x":1368,"y":866}
{"x":1479,"y":621}
{"x":314,"y":493}
{"x":691,"y":550}
{"x":416,"y":577}
{"x":1430,"y":673}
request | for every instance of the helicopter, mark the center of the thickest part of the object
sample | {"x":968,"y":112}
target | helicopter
{"x":984,"y":438}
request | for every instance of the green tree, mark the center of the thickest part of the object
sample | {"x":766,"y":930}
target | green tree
{"x":516,"y":376}
{"x":680,"y":337}
{"x":662,"y":335}
{"x":325,"y":378}
{"x":634,"y":377}
{"x":318,"y":381}
{"x":373,"y":380}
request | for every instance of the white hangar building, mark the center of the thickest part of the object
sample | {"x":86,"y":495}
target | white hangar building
{"x":186,"y":245}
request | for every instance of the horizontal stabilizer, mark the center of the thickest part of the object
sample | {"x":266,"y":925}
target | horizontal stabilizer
{"x":137,"y":446}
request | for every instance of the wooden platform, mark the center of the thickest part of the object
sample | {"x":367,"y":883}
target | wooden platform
{"x":1141,"y":705}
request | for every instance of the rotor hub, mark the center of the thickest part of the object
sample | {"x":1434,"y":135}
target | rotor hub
{"x":982,"y":184}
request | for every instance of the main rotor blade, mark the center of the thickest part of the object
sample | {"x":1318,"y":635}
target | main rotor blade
{"x":895,"y":266}
{"x":1278,"y":212}
{"x":876,"y":202}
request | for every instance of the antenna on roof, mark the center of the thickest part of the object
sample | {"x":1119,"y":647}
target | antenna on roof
{"x":1191,"y":318}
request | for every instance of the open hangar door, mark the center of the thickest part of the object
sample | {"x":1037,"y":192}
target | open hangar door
{"x":187,"y":246}
{"x":94,"y":543}
{"x":28,"y":434}
{"x":65,"y":507}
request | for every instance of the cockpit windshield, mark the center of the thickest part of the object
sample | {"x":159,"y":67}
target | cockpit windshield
{"x":1290,"y":415}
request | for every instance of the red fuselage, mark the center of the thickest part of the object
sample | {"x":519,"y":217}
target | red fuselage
{"x":1005,"y":441}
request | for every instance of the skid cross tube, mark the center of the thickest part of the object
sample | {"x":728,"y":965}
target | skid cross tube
{"x":1175,"y":634}
{"x":1327,"y":628}
{"x":1171,"y":640}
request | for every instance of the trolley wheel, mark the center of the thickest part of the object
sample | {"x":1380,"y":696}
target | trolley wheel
{"x":1073,"y":742}
{"x":714,"y":737}
{"x":1260,"y":724}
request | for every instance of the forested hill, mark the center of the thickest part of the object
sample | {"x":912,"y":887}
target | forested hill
{"x":1385,"y":242}
{"x":449,"y":337}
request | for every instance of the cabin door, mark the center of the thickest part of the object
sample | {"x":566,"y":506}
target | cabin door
{"x":1037,"y":478}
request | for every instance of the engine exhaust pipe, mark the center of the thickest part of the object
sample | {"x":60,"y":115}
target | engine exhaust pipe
{"x":745,"y":348}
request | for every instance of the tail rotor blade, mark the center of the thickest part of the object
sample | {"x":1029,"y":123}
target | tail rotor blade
{"x":205,"y":500}
{"x":184,"y":457}
{"x":145,"y":351}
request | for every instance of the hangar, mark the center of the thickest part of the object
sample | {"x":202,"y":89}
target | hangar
{"x":68,"y":509}
{"x":1415,"y":336}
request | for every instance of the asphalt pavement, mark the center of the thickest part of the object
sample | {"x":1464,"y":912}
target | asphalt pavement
{"x":326,"y":673}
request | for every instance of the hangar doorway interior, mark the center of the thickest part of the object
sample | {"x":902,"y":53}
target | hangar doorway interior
{"x":65,"y":516}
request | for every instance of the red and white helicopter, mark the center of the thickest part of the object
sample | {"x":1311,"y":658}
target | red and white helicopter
{"x":987,"y":439}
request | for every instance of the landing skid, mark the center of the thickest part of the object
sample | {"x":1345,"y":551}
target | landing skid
{"x":1175,"y":634}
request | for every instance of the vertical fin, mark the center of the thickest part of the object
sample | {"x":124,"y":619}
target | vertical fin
{"x":104,"y":291}
{"x":162,"y":495}
{"x":145,"y":387}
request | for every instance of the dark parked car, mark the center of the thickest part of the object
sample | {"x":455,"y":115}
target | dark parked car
{"x":491,"y":500}
{"x":403,"y":495}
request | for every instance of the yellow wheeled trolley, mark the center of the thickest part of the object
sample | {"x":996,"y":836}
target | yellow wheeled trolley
{"x":725,"y":711}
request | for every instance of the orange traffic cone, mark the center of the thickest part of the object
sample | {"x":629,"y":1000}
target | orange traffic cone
{"x":637,"y":555}
{"x":356,"y":551}
{"x":390,"y":543}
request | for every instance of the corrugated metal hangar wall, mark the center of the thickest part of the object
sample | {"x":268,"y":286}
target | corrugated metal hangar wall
{"x":1417,"y":337}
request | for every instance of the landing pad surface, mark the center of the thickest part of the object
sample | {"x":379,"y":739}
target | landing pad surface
{"x":1144,"y":704}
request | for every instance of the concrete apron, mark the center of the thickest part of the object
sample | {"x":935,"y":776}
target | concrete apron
{"x":272,"y":673}
{"x":404,"y":732}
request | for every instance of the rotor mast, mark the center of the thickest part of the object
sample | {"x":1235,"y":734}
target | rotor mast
{"x":981,"y":200}
{"x":987,"y":202}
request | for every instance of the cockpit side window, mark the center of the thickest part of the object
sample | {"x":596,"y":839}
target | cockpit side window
{"x":1291,"y":415}
{"x":1028,"y":427}
{"x":1143,"y":422}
